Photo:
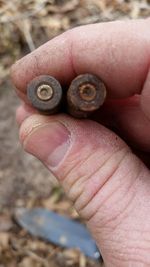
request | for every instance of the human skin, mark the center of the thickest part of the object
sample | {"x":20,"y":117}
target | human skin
{"x":108,"y":184}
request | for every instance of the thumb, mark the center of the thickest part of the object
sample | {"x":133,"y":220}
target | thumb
{"x":97,"y":170}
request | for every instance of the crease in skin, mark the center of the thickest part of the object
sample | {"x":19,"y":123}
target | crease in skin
{"x":106,"y":198}
{"x":86,"y":207}
{"x":146,"y":95}
{"x":76,"y":188}
{"x":90,"y":178}
{"x":147,"y":71}
{"x":37,"y":65}
{"x":71,"y":57}
{"x":124,"y":212}
{"x":70,"y":173}
{"x":70,"y":176}
{"x":86,"y":178}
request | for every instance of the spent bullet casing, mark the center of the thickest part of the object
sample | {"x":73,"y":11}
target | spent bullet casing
{"x":45,"y":94}
{"x":85,"y":95}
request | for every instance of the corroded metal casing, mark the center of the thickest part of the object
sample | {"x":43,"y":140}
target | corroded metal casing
{"x":85,"y":95}
{"x":45,"y":94}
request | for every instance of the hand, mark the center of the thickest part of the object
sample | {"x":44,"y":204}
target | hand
{"x":109,"y":185}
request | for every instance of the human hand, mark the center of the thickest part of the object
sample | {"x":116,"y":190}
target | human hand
{"x":108,"y":184}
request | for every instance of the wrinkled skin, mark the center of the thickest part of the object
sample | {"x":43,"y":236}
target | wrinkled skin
{"x":107,"y":182}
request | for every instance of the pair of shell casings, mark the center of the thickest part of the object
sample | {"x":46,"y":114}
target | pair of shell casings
{"x":85,"y":95}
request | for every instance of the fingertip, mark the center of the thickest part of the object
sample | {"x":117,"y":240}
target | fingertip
{"x":100,"y":49}
{"x":23,"y":112}
{"x":52,"y":58}
{"x":20,"y":115}
{"x":23,"y":71}
{"x":30,"y":123}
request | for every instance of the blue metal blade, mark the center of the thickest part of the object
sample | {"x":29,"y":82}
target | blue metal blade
{"x":57,"y":229}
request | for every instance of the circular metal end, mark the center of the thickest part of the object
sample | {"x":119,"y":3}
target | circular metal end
{"x":87,"y":92}
{"x":85,"y":95}
{"x":45,"y":92}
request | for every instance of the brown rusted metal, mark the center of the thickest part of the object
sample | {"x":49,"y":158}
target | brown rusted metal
{"x":45,"y":94}
{"x":85,"y":95}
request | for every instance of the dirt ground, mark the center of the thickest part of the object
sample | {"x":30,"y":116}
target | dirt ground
{"x":24,"y":182}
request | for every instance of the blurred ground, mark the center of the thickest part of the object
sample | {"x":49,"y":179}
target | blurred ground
{"x":24,"y":25}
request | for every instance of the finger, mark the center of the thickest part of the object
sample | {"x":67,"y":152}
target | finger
{"x":118,"y":52}
{"x":128,"y":119}
{"x":23,"y":112}
{"x":125,"y":117}
{"x":145,"y":98}
{"x":106,"y":182}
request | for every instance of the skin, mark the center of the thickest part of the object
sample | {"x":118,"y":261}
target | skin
{"x":108,"y":183}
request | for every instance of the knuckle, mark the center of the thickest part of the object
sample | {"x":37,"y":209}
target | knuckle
{"x":86,"y":179}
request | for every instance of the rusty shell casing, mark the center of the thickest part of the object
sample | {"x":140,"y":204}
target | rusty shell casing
{"x":45,"y":94}
{"x":85,"y":95}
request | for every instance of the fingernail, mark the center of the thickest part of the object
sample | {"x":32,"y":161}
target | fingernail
{"x":49,"y":143}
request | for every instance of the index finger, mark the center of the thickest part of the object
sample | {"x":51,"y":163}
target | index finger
{"x":117,"y":52}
